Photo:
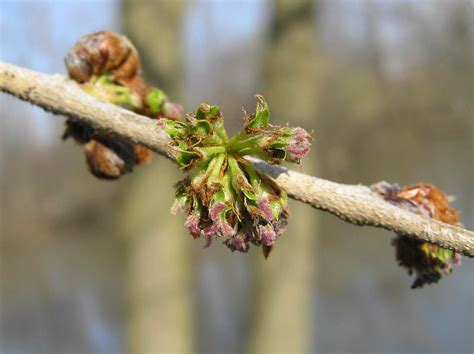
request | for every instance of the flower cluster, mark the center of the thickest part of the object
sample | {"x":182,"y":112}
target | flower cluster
{"x":223,"y":195}
{"x":427,"y":260}
{"x":107,"y":66}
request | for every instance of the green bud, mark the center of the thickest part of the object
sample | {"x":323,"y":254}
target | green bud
{"x":155,"y":100}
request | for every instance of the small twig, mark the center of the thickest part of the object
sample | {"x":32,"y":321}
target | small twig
{"x":355,"y":204}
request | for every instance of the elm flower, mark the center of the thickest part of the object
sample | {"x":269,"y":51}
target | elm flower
{"x":192,"y":223}
{"x":238,"y":243}
{"x":299,"y":144}
{"x":268,"y":234}
{"x":223,"y":196}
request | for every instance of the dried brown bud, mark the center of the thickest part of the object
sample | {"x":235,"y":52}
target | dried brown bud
{"x":422,"y":198}
{"x":103,"y":52}
{"x":431,"y":202}
{"x":110,"y":157}
{"x":428,"y":261}
{"x":143,"y":155}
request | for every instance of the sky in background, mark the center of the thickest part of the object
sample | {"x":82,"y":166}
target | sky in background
{"x":36,"y":34}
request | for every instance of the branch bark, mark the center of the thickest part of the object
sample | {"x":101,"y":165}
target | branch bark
{"x":356,"y":204}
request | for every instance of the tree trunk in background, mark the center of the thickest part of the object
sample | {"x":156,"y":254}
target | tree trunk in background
{"x":285,"y":283}
{"x":225,"y":41}
{"x":155,"y":29}
{"x":160,"y":288}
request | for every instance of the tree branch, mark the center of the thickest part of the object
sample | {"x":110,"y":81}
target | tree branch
{"x":356,"y":204}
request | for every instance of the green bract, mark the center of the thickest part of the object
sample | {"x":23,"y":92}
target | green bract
{"x":223,"y":195}
{"x":106,"y":89}
{"x":155,"y":100}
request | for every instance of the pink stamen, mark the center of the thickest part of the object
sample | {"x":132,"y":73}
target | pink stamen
{"x":264,"y":206}
{"x":216,"y":210}
{"x":192,"y":224}
{"x":268,"y":235}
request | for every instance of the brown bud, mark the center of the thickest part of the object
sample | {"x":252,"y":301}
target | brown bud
{"x":431,"y":201}
{"x":427,"y":260}
{"x":109,"y":157}
{"x":143,"y":155}
{"x":421,"y":198}
{"x":138,"y":85}
{"x":102,"y":52}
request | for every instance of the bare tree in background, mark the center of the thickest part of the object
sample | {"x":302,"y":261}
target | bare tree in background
{"x":160,"y":284}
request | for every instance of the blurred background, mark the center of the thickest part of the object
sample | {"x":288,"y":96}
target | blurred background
{"x":89,"y":266}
